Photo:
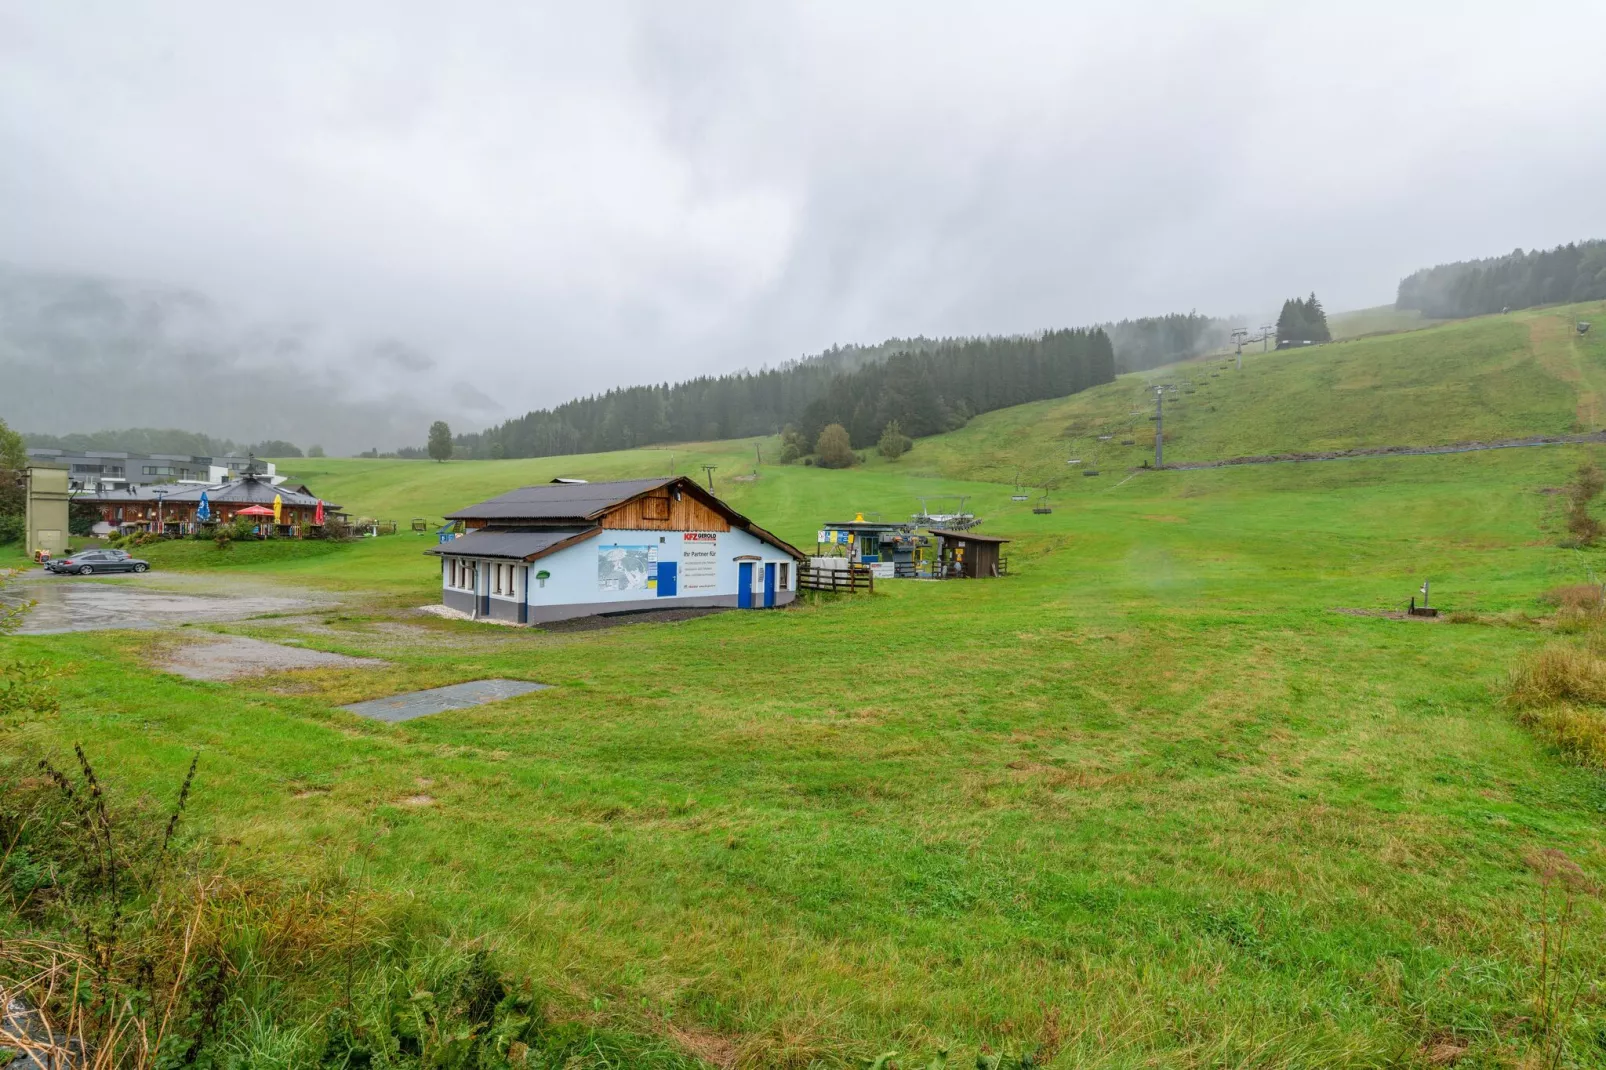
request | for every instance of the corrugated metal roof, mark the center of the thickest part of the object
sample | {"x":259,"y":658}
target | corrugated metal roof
{"x":584,"y":503}
{"x":963,"y":535}
{"x":253,"y":491}
{"x":517,"y":545}
{"x":559,"y":501}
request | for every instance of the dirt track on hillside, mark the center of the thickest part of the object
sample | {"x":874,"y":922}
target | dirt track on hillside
{"x":1389,"y":451}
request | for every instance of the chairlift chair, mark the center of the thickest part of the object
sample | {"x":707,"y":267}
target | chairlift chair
{"x":1042,"y":508}
{"x":1020,"y":494}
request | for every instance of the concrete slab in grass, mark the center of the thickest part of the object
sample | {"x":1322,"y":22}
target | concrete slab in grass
{"x":440,"y":699}
{"x":231,"y":657}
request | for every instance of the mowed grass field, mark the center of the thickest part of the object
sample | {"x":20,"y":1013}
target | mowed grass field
{"x":1151,"y":800}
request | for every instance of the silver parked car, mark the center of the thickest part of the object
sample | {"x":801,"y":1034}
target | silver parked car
{"x":89,"y":562}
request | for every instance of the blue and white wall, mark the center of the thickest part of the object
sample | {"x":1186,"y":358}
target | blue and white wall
{"x":616,"y":571}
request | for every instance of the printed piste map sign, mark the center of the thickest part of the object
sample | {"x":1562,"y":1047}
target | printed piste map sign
{"x":699,"y":561}
{"x":626,"y":568}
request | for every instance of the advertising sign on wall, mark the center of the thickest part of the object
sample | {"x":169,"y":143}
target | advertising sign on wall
{"x":626,"y":568}
{"x":699,"y":561}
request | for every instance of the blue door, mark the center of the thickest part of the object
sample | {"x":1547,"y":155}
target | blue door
{"x":744,"y":585}
{"x":667,"y":578}
{"x":769,"y":585}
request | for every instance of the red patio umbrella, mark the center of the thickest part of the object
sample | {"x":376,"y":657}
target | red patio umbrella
{"x":317,"y":515}
{"x":255,"y":510}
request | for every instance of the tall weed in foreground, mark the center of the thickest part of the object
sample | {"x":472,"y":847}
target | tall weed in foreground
{"x":129,"y":946}
{"x":1564,"y":971}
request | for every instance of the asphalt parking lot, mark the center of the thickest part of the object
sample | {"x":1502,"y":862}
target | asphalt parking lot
{"x":70,"y":604}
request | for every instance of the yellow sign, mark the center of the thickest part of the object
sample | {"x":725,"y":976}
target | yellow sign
{"x":278,"y":508}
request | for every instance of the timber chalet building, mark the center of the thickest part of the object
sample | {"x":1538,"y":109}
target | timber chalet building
{"x":571,"y":549}
{"x":174,"y":508}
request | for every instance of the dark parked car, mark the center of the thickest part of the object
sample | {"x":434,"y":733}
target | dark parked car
{"x":88,"y":562}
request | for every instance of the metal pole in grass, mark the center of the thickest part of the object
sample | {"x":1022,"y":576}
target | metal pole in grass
{"x":1159,"y":426}
{"x":708,"y":469}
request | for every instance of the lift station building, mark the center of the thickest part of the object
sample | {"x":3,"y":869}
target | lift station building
{"x":570,"y":549}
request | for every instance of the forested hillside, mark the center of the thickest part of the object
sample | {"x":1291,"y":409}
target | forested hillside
{"x":1572,"y":272}
{"x":162,"y":440}
{"x":1152,"y":341}
{"x":928,"y":386}
{"x":928,"y":393}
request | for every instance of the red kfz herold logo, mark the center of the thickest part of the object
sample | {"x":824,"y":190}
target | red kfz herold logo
{"x":699,"y":536}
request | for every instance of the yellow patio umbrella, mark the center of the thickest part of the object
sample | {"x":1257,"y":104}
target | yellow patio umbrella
{"x":278,"y":508}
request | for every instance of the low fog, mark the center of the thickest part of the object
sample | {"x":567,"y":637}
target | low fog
{"x":337,"y":222}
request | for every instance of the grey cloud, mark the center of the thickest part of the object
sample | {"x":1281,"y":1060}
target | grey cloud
{"x":541,"y":201}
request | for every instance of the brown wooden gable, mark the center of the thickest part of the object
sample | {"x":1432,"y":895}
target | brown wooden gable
{"x":657,"y":510}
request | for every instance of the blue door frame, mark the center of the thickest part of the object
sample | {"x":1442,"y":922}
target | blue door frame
{"x":769,"y":585}
{"x":668,"y":578}
{"x":744,"y":585}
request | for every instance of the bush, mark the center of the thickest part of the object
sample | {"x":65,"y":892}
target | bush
{"x":1558,"y":692}
{"x":792,"y":445}
{"x":833,"y":449}
{"x":1580,"y":734}
{"x":333,"y":529}
{"x":894,"y":443}
{"x":1585,"y":597}
{"x":1585,"y":487}
{"x":1558,"y":673}
{"x":82,"y":518}
{"x":126,"y":931}
{"x":11,"y":526}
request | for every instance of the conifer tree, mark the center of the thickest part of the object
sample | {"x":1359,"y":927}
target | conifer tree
{"x":894,"y":443}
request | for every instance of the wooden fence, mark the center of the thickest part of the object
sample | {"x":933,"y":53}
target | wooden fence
{"x":848,"y":580}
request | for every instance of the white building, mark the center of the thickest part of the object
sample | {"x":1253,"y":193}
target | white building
{"x":568,"y":549}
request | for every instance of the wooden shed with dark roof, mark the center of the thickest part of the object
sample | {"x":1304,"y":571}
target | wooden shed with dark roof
{"x":559,"y":550}
{"x":968,"y":555}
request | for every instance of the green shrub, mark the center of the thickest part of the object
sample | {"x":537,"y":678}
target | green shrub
{"x":833,"y":448}
{"x":894,"y":443}
{"x":126,"y":931}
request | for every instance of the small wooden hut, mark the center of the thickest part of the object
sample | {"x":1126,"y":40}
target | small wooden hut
{"x":968,"y":555}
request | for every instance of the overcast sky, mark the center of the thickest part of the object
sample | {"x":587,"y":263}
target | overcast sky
{"x":553,"y":199}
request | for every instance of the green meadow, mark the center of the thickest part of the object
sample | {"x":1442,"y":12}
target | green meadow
{"x":1179,"y":791}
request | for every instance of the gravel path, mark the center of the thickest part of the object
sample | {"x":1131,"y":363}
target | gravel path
{"x":1389,"y":451}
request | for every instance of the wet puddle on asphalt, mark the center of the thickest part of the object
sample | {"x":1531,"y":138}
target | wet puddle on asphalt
{"x":66,"y":605}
